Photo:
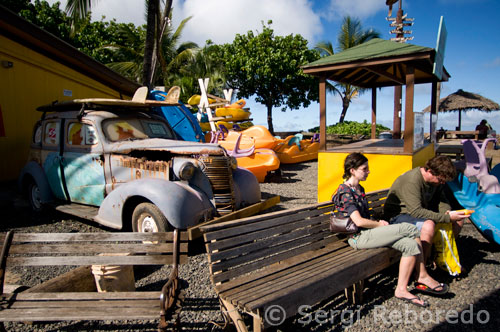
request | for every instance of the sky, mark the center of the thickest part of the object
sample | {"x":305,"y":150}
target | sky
{"x":472,"y":55}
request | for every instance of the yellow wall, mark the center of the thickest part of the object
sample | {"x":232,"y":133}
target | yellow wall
{"x":33,"y":80}
{"x":384,"y":169}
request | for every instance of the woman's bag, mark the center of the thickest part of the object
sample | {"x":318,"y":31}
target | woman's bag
{"x":342,"y":225}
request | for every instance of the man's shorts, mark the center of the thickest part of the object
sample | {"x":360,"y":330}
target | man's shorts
{"x":419,"y":222}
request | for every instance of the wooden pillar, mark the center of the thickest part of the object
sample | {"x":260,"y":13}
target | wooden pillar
{"x":374,"y":113}
{"x":396,"y":122}
{"x":434,"y":109}
{"x":322,"y":114}
{"x":409,"y":118}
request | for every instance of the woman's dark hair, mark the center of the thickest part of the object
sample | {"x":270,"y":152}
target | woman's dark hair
{"x":354,"y":160}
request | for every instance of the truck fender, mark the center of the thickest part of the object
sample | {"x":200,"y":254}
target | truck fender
{"x":182,"y":205}
{"x":246,"y":188}
{"x":35,"y":171}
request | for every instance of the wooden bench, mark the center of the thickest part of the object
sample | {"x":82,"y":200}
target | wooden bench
{"x":84,"y":249}
{"x":287,"y":258}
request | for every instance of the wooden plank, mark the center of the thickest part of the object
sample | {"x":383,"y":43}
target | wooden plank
{"x":261,"y":274}
{"x":90,"y":260}
{"x":96,"y":237}
{"x":66,"y":314}
{"x":276,"y":236}
{"x":265,"y":249}
{"x":195,"y":232}
{"x":250,"y":220}
{"x":238,"y":240}
{"x":286,"y":268}
{"x":226,"y":275}
{"x":284,"y":281}
{"x":91,"y":248}
{"x":83,"y":305}
{"x":82,"y":296}
{"x":260,"y":223}
{"x":355,"y":269}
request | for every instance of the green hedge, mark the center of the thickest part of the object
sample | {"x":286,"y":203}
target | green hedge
{"x":352,"y":128}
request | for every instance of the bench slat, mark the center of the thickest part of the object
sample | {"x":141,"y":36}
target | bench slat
{"x":78,"y":304}
{"x":321,"y":287}
{"x":94,"y":237}
{"x":78,"y":248}
{"x":271,"y":237}
{"x":82,"y":296}
{"x":302,"y":274}
{"x":289,"y":267}
{"x":68,"y":313}
{"x":250,"y":220}
{"x":316,"y":242}
{"x":263,"y":250}
{"x":90,"y":260}
{"x":241,"y":281}
{"x":244,"y":227}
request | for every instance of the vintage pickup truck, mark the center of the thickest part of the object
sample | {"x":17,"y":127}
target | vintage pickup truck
{"x":117,"y":163}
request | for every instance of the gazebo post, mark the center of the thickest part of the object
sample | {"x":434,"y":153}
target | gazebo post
{"x":459,"y":120}
{"x":322,"y":113}
{"x":434,"y":107}
{"x":374,"y":113}
{"x":408,"y":131}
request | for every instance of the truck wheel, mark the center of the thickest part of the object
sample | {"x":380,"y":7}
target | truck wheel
{"x":34,"y":197}
{"x":148,"y":218}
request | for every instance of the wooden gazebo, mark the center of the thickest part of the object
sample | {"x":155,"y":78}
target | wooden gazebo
{"x":376,"y":64}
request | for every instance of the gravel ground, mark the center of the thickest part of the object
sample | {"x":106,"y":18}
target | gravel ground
{"x":470,"y":305}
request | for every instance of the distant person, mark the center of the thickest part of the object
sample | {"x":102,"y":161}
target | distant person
{"x":418,"y":197}
{"x":483,"y":127}
{"x":350,"y":201}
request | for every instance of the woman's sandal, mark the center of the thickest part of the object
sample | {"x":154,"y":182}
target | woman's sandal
{"x":426,"y":289}
{"x":412,"y":301}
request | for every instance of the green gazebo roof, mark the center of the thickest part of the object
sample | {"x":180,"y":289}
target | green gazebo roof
{"x":376,"y":63}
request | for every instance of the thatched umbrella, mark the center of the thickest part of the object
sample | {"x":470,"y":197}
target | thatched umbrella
{"x":465,"y":101}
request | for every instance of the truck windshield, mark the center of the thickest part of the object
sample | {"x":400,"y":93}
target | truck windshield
{"x":130,"y":129}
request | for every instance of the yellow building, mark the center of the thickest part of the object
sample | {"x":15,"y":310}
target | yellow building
{"x":37,"y":68}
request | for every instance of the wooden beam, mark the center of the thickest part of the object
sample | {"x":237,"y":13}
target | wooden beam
{"x":321,"y":69}
{"x":409,"y":117}
{"x":386,"y":75}
{"x":434,"y":108}
{"x":374,"y":113}
{"x":322,"y":114}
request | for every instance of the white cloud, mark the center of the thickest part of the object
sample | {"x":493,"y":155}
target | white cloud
{"x":355,"y":8}
{"x":124,"y":11}
{"x":221,"y":20}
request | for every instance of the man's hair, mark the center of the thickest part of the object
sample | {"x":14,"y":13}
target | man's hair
{"x":441,"y":166}
{"x":354,"y":160}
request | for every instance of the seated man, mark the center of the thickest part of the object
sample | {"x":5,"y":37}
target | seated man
{"x":417,"y":197}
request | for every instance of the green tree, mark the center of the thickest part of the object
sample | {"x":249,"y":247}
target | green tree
{"x":268,"y":67}
{"x":351,"y":34}
{"x":205,"y":62}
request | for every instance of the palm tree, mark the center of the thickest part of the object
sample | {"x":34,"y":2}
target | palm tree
{"x":155,"y":28}
{"x":172,"y":57}
{"x":351,"y":34}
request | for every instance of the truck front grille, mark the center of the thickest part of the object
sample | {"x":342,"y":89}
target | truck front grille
{"x":218,"y":170}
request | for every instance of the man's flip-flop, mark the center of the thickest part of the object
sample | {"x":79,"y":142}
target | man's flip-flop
{"x":412,"y":301}
{"x":426,"y":289}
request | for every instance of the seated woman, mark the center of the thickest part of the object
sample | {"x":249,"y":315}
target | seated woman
{"x":350,"y":201}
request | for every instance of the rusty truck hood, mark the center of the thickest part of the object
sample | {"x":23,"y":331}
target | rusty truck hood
{"x":160,"y":144}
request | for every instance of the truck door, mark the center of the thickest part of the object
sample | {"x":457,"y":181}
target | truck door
{"x":83,"y":164}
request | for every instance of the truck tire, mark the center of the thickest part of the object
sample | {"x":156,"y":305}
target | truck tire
{"x":34,"y":196}
{"x":148,"y":218}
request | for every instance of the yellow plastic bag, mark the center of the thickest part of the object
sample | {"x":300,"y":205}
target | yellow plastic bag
{"x":446,"y":249}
